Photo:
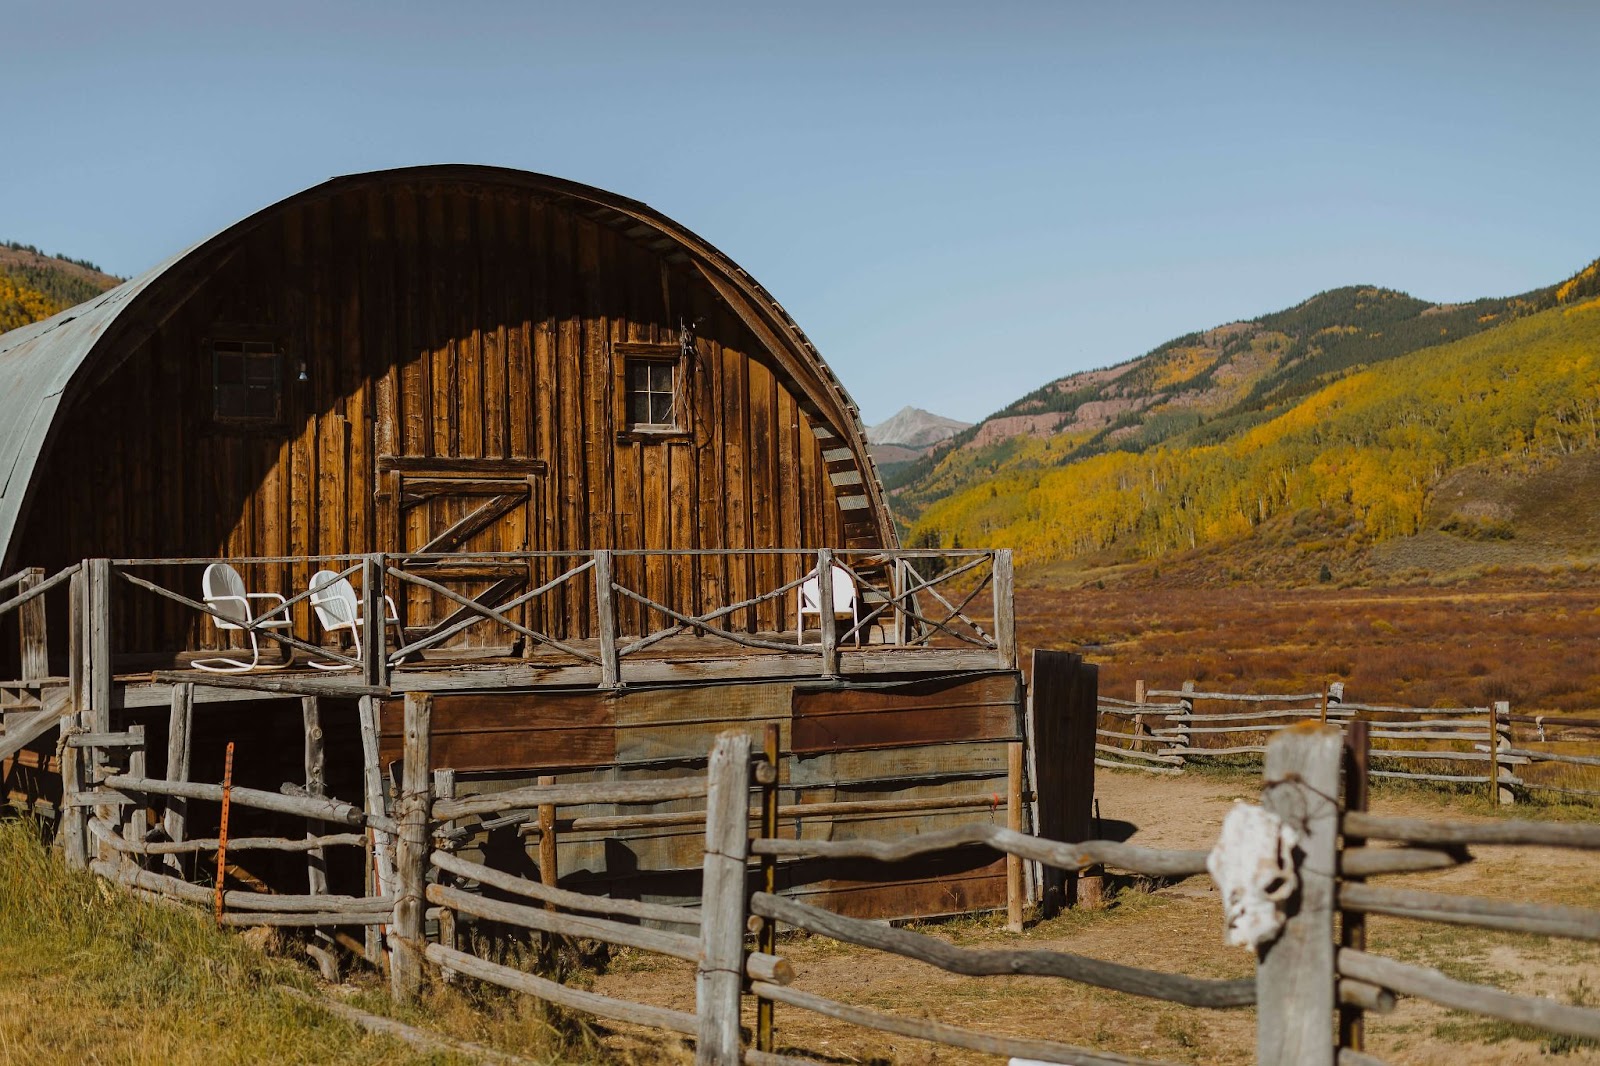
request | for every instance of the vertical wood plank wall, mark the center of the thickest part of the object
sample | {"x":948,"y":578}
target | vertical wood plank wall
{"x":433,"y":320}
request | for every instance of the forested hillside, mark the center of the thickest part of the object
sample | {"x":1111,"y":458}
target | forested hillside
{"x":1335,"y":413}
{"x":34,"y":285}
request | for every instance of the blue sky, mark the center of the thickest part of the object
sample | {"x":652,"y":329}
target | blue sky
{"x":957,"y":202}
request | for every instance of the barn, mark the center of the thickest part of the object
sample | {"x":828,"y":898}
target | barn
{"x":531,"y":447}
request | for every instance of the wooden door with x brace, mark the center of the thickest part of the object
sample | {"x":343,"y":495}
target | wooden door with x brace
{"x":456,"y":508}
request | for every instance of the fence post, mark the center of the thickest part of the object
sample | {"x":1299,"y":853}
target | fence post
{"x":101,"y":678}
{"x":316,"y":860}
{"x":1186,"y":709}
{"x":1295,"y":981}
{"x":174,"y":820}
{"x":32,"y":630}
{"x":138,"y":821}
{"x":1014,"y":887}
{"x":606,"y":620}
{"x":723,"y":900}
{"x":73,"y":819}
{"x":444,"y":787}
{"x":1502,"y":797}
{"x":549,"y":870}
{"x":1005,"y":618}
{"x":767,"y":938}
{"x":378,"y":869}
{"x":411,"y":850}
{"x":1353,"y":924}
{"x":826,"y":623}
{"x":374,"y":615}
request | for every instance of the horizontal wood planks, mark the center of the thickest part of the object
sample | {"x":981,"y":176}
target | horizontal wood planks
{"x":438,"y":330}
{"x":500,"y":740}
{"x":852,"y":719}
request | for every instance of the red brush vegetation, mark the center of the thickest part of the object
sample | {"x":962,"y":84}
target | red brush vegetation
{"x":1508,"y":638}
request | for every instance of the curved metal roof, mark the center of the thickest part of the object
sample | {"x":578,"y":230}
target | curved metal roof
{"x":46,"y":365}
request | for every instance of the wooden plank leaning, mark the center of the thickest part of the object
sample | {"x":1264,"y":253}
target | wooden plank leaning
{"x":1296,"y":993}
{"x":720,"y":974}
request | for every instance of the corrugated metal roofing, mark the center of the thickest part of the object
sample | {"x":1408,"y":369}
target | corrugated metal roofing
{"x":42,"y":362}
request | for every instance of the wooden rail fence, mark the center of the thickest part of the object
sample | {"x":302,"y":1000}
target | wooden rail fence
{"x":1313,"y":987}
{"x":1162,"y":731}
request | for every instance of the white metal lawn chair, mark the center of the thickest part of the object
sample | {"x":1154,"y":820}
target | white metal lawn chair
{"x":223,"y":590}
{"x":337,"y":607}
{"x":845,"y":604}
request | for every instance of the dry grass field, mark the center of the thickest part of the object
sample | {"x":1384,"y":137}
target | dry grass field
{"x":1531,"y":642}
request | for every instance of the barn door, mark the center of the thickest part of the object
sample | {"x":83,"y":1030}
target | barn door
{"x":461,"y":507}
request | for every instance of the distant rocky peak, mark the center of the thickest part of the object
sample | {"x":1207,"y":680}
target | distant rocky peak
{"x":912,"y":427}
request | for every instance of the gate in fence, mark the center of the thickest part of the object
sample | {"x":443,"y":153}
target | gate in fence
{"x":1314,"y":983}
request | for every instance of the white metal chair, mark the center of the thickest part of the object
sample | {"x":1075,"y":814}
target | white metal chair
{"x":337,"y":607}
{"x":845,"y":604}
{"x":223,"y":590}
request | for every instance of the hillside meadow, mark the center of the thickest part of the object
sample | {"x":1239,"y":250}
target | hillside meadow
{"x":1363,"y":454}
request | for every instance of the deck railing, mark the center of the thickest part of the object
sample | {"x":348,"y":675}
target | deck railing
{"x":603,"y":611}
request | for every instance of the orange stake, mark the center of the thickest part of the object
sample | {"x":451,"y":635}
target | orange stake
{"x":222,"y":830}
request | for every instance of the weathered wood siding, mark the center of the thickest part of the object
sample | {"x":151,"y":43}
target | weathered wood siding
{"x":446,"y":322}
{"x":932,"y":740}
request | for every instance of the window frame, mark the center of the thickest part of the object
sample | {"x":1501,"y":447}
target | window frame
{"x":243,"y":344}
{"x":628,"y":355}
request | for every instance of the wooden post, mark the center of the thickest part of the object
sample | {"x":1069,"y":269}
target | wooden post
{"x":605,"y":599}
{"x":73,"y":823}
{"x":1186,"y":705}
{"x":32,"y":631}
{"x":374,"y":613}
{"x":720,"y":976}
{"x":1014,"y":887}
{"x":1295,"y":980}
{"x":444,"y":787}
{"x":1353,"y":924}
{"x":900,"y":590}
{"x":1005,"y":617}
{"x":138,"y":821}
{"x":1139,"y":691}
{"x":379,"y":868}
{"x":767,"y":938}
{"x":98,"y":648}
{"x":549,"y":870}
{"x":316,"y":860}
{"x":1498,"y":796}
{"x":73,"y":846}
{"x":177,"y":808}
{"x":826,"y":624}
{"x":415,"y":809}
{"x":1323,"y":706}
{"x":222,"y":829}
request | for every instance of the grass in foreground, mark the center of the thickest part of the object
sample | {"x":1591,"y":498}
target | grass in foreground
{"x":91,"y":974}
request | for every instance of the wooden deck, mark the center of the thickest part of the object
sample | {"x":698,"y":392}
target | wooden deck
{"x":684,"y":660}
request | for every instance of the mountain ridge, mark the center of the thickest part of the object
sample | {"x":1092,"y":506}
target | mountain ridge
{"x":1199,"y":394}
{"x":34,"y":285}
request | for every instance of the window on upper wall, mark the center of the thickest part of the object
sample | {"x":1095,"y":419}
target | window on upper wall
{"x":652,"y":394}
{"x":653,"y":387}
{"x":246,"y":382}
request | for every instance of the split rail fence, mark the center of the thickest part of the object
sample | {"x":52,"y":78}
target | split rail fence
{"x":1313,"y":985}
{"x":1162,"y":731}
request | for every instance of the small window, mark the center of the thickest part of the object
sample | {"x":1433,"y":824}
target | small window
{"x":652,"y":394}
{"x":247,"y":382}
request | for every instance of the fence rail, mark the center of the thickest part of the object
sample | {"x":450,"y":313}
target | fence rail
{"x":1485,"y":745}
{"x":1303,"y":976}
